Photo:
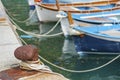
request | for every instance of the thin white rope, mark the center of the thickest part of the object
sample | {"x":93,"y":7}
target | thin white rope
{"x":23,"y":21}
{"x":75,"y":71}
{"x":37,"y":35}
{"x":33,"y":66}
{"x":81,"y":71}
{"x":53,"y":27}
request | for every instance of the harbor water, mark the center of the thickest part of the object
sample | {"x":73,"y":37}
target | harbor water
{"x":59,"y":52}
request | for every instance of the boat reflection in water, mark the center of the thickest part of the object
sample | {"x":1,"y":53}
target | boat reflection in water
{"x":68,"y":49}
{"x":33,"y":18}
{"x":69,"y":59}
{"x":51,"y":49}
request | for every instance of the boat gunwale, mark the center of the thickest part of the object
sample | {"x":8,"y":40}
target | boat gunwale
{"x":80,"y":4}
{"x":95,"y":29}
{"x":53,"y":7}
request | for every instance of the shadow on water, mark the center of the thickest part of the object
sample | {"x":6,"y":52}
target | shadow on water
{"x":61,"y":51}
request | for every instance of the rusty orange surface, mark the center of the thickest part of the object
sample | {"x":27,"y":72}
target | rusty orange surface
{"x":15,"y":73}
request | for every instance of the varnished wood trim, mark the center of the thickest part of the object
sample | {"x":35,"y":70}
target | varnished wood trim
{"x":97,"y":3}
{"x":68,"y":8}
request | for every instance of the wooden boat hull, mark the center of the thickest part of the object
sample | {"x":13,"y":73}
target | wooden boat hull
{"x":48,"y":11}
{"x":110,"y":17}
{"x":90,"y":44}
{"x":46,"y":15}
{"x":67,"y":28}
{"x":104,"y":38}
{"x":94,"y":44}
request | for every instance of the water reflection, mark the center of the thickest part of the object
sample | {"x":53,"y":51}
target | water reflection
{"x":47,"y":28}
{"x":68,"y":49}
{"x":54,"y":48}
{"x":61,"y":51}
{"x":33,"y":18}
{"x":98,"y":77}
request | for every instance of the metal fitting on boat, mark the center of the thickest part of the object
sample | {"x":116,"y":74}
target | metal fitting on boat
{"x":61,"y":14}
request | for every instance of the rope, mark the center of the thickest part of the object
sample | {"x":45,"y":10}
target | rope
{"x":39,"y":66}
{"x":34,"y":65}
{"x":54,"y":26}
{"x":81,"y":71}
{"x":38,"y":35}
{"x":68,"y":70}
{"x":23,"y":21}
{"x":76,"y":71}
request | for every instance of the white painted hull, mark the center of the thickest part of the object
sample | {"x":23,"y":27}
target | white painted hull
{"x":31,"y":2}
{"x":45,"y":15}
{"x":67,"y":29}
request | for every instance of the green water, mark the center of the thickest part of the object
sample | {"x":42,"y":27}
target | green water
{"x":60,"y":51}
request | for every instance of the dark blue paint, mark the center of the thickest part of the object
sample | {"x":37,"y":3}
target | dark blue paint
{"x":32,"y":7}
{"x":92,"y":44}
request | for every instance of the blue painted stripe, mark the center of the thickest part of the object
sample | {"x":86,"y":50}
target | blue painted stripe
{"x":99,"y":7}
{"x":92,"y":44}
{"x":78,"y":16}
{"x":95,"y":30}
{"x":26,"y":36}
{"x":110,"y":20}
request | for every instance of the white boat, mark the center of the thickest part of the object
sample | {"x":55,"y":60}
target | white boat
{"x":47,"y":11}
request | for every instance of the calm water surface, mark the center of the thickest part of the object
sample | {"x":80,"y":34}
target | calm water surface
{"x":61,"y":51}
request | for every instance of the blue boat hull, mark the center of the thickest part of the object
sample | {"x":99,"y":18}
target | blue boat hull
{"x":92,"y":44}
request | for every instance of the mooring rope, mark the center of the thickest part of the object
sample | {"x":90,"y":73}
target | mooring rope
{"x":80,"y":71}
{"x":62,"y":68}
{"x":77,"y":71}
{"x":53,"y":27}
{"x":38,"y":35}
{"x":73,"y":71}
{"x":22,"y":21}
{"x":33,"y":34}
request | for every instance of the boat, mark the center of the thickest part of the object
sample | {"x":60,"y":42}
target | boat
{"x":110,"y":17}
{"x":82,"y":19}
{"x":93,"y":38}
{"x":100,"y":38}
{"x":53,"y":8}
{"x":96,"y":37}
